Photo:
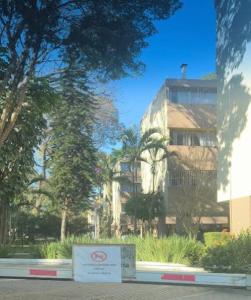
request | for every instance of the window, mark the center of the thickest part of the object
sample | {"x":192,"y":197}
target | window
{"x":174,"y":96}
{"x":125,"y":167}
{"x":193,"y":96}
{"x":192,"y":138}
{"x":126,"y":187}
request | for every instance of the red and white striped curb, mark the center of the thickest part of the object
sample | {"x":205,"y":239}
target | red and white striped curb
{"x":40,"y":268}
{"x":197,"y":278}
{"x":146,"y":272}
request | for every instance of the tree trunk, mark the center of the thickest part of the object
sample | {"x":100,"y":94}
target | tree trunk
{"x":134,"y":173}
{"x":3,"y":223}
{"x":161,"y":226}
{"x":141,"y":230}
{"x":97,"y":224}
{"x":153,"y":177}
{"x":63,"y":224}
{"x":110,"y":220}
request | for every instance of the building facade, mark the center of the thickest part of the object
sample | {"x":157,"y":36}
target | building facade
{"x":185,"y":111}
{"x":234,"y":109}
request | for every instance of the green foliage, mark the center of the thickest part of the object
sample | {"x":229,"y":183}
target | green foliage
{"x":63,"y":249}
{"x":105,"y":170}
{"x":73,"y":158}
{"x":4,"y":251}
{"x":216,"y":238}
{"x":145,"y":206}
{"x":105,"y":37}
{"x":36,"y":226}
{"x":173,"y":249}
{"x":103,"y":40}
{"x":134,"y":145}
{"x":17,"y":156}
{"x":234,"y":256}
{"x":77,"y":224}
{"x":49,"y":251}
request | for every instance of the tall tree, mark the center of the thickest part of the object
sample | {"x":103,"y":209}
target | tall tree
{"x":73,"y":152}
{"x":103,"y":36}
{"x":17,"y":156}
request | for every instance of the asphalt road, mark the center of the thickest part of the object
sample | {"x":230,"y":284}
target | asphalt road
{"x":23,"y":289}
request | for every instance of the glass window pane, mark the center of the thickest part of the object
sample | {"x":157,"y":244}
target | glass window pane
{"x":125,"y":167}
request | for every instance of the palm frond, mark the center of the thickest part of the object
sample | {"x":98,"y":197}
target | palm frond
{"x":42,"y":192}
{"x":148,"y":134}
{"x":141,"y":159}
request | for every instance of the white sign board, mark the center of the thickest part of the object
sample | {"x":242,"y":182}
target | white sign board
{"x":97,"y":263}
{"x":128,"y":261}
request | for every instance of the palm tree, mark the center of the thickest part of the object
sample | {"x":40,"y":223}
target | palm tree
{"x":157,"y":153}
{"x":134,"y":147}
{"x":107,"y":174}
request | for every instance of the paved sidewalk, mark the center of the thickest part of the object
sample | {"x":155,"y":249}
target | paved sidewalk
{"x":23,"y":289}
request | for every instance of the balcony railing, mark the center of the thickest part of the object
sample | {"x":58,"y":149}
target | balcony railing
{"x":191,"y":177}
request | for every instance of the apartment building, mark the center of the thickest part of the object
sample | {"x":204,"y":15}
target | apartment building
{"x":185,"y":111}
{"x":234,"y":110}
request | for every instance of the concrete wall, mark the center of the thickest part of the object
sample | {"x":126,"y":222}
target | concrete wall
{"x":240,"y":212}
{"x":234,"y":104}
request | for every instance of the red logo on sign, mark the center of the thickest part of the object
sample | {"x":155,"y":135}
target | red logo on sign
{"x":98,"y":256}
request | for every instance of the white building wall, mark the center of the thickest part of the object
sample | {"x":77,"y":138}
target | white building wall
{"x":155,"y":117}
{"x":116,"y":203}
{"x":234,"y":98}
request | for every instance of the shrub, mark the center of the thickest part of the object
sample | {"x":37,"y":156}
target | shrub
{"x":216,"y":238}
{"x":234,"y":256}
{"x":62,"y":249}
{"x":174,"y":249}
{"x":49,"y":250}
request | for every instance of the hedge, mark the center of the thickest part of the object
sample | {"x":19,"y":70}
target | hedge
{"x":234,"y":256}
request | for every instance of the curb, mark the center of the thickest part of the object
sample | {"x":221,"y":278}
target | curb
{"x":146,"y":272}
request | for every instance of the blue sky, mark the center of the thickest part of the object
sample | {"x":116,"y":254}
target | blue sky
{"x":187,"y":37}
